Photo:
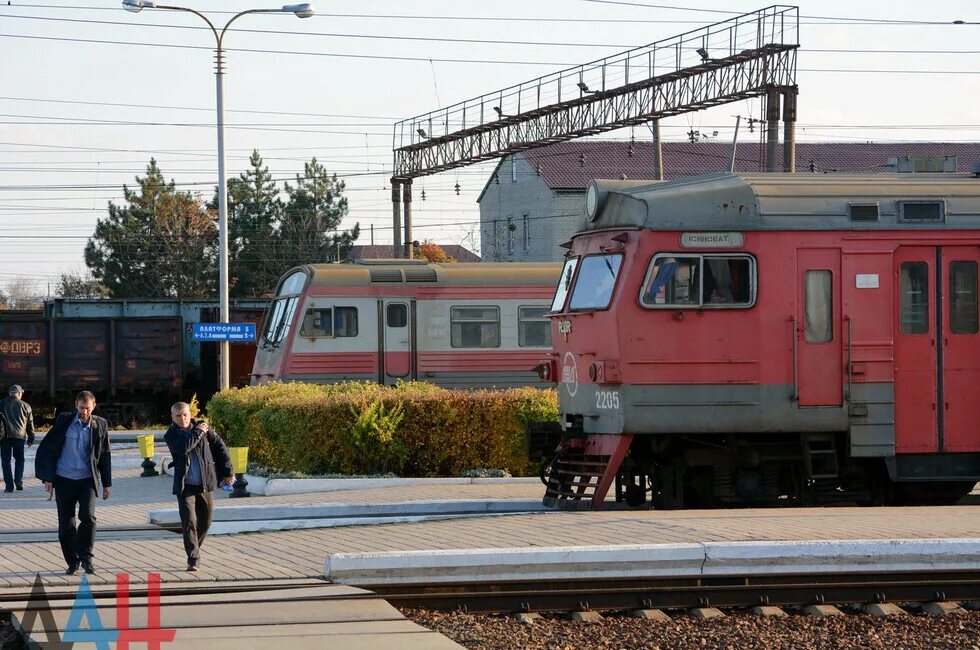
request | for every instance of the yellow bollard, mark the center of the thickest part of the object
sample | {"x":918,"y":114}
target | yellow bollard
{"x":239,"y":462}
{"x":146,"y":449}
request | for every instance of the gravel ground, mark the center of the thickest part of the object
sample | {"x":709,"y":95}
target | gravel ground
{"x":737,"y":631}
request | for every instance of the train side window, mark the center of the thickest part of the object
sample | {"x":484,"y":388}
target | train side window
{"x":533,"y":327}
{"x":564,"y":284}
{"x":330,"y":322}
{"x":397,"y":315}
{"x":818,"y":293}
{"x":709,"y":281}
{"x":914,"y":297}
{"x":963,"y":297}
{"x":475,"y":327}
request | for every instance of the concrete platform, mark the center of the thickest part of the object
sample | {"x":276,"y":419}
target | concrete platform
{"x":253,"y":617}
{"x":615,"y":562}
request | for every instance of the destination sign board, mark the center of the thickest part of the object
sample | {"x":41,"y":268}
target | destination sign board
{"x":224,"y":332}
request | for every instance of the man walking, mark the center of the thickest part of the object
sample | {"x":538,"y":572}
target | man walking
{"x":73,"y":459}
{"x":18,"y":426}
{"x":201,"y":460}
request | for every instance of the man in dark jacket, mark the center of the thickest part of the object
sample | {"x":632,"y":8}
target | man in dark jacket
{"x":73,"y":459}
{"x":201,"y":460}
{"x":18,"y":427}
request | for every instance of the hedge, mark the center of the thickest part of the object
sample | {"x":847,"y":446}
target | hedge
{"x":413,"y":429}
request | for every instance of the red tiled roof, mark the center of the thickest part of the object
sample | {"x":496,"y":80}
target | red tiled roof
{"x":571,"y":165}
{"x":386,"y":251}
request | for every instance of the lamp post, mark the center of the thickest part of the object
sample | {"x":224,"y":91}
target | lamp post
{"x":304,"y":10}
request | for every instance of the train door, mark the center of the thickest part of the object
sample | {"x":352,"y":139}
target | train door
{"x":960,"y":349}
{"x":818,"y":334}
{"x":399,"y":340}
{"x":916,"y":357}
{"x":937,"y":349}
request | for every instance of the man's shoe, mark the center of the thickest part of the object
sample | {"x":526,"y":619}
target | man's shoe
{"x":9,"y":488}
{"x":193,"y":565}
{"x":72,"y":568}
{"x":88,"y":566}
{"x":19,"y":486}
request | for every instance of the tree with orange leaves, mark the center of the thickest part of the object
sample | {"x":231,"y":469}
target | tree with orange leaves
{"x":432,"y":252}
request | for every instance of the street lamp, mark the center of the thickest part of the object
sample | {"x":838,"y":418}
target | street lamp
{"x":304,"y":10}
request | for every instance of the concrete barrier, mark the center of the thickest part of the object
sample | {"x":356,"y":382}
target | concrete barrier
{"x":652,"y":561}
{"x":239,"y":519}
{"x":281,"y":486}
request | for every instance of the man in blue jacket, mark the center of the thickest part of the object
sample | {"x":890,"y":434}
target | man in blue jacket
{"x":201,"y":460}
{"x":73,"y":459}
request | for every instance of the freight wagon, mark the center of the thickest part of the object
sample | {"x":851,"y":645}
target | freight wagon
{"x":138,"y":357}
{"x":455,"y":325}
{"x":771,"y":338}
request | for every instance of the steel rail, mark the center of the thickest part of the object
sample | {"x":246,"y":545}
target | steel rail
{"x":672,"y":593}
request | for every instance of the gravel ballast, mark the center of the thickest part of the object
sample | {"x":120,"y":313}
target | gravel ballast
{"x":738,"y":630}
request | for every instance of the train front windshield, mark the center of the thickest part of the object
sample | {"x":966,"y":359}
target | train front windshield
{"x":283,"y":309}
{"x":595,"y":282}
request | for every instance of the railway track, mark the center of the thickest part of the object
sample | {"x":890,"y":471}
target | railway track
{"x":686,"y":593}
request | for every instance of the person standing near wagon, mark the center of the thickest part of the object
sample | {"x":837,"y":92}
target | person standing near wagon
{"x":73,"y":459}
{"x":201,"y":461}
{"x":18,"y":428}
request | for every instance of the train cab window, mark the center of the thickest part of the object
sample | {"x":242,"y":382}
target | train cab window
{"x":329,"y":323}
{"x":564,"y":284}
{"x":913,"y":279}
{"x":963,"y":297}
{"x":703,"y":281}
{"x":284,"y":308}
{"x":595,"y":283}
{"x":475,"y":327}
{"x":819,"y":315}
{"x":397,"y":315}
{"x":533,"y":327}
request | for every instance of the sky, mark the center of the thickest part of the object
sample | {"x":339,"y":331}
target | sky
{"x":89,"y":92}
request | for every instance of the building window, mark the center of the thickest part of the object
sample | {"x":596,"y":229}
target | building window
{"x":703,"y":281}
{"x":818,"y":319}
{"x":595,"y":282}
{"x":963,"y":297}
{"x":913,"y":281}
{"x":513,"y":170}
{"x":510,"y":235}
{"x":329,"y":323}
{"x":527,"y":233}
{"x":475,"y":327}
{"x":533,"y":327}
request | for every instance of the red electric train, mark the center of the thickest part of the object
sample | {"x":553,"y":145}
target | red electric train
{"x":769,"y":338}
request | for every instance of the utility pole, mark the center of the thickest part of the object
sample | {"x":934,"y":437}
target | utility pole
{"x":731,"y":167}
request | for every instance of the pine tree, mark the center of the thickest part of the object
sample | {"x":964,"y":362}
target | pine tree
{"x":254,"y":210}
{"x":162,"y":244}
{"x":308,"y":231}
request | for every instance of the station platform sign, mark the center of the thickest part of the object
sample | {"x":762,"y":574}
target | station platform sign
{"x":224,"y":332}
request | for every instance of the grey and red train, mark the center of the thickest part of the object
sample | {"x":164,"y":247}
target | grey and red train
{"x":771,"y":338}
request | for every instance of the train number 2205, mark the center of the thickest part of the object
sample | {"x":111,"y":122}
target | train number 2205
{"x":607,"y":399}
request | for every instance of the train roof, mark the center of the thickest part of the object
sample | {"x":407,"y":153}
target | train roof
{"x":784,"y":201}
{"x":471,"y":274}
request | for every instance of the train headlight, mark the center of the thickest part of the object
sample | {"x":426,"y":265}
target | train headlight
{"x":592,"y":201}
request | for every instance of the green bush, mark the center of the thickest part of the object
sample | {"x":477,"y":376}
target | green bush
{"x":412,"y":429}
